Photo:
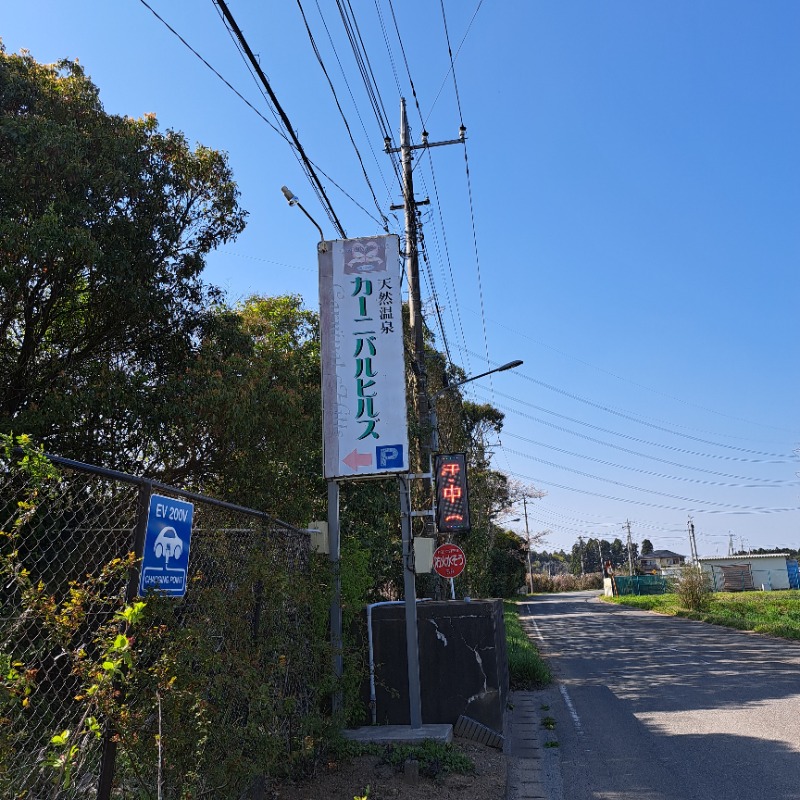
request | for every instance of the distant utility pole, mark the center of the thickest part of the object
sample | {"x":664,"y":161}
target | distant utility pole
{"x":600,"y":553}
{"x":692,"y":542}
{"x":730,"y":543}
{"x":528,"y":545}
{"x":421,"y":399}
{"x":630,"y":548}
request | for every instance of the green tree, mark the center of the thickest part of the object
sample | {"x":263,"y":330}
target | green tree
{"x":105,"y":223}
{"x":577,"y":557}
{"x":507,"y":564}
{"x":647,"y":547}
{"x":619,"y":555}
{"x":246,"y":417}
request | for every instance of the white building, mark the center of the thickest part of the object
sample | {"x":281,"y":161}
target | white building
{"x":740,"y":573}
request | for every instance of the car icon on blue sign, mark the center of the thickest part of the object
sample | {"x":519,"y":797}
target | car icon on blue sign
{"x":168,"y":544}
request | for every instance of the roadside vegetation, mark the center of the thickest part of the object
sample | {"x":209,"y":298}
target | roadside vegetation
{"x":773,"y":613}
{"x":526,"y":668}
{"x":116,"y":352}
{"x":565,"y":582}
{"x":435,"y":759}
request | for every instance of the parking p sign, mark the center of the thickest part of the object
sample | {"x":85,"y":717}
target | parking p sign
{"x":165,"y":561}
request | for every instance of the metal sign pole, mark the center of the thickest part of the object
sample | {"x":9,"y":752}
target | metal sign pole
{"x":336,"y":600}
{"x":410,"y":591}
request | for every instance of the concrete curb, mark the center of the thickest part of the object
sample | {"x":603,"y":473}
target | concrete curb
{"x":523,"y":749}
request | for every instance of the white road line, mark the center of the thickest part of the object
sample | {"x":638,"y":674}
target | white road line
{"x":571,"y":708}
{"x":536,"y":628}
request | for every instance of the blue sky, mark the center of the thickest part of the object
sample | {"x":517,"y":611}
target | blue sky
{"x":635,"y":184}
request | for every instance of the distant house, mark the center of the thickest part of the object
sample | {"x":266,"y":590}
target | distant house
{"x":659,"y":561}
{"x":741,"y":573}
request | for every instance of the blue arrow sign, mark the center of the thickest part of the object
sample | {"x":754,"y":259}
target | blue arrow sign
{"x":165,"y":561}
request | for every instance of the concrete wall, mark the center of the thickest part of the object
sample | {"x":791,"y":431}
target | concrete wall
{"x":463,"y":663}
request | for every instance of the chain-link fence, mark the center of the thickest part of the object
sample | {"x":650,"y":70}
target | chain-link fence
{"x":206,"y":695}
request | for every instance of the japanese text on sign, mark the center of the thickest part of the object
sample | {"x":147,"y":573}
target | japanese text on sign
{"x":452,"y":501}
{"x":449,"y":561}
{"x":364,"y":409}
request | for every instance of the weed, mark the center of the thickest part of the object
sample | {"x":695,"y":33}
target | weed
{"x":526,"y":668}
{"x":435,"y":759}
{"x":549,"y":723}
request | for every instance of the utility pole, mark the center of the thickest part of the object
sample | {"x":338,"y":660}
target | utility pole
{"x":600,"y":553}
{"x":415,"y":320}
{"x":730,"y":543}
{"x":692,"y":542}
{"x":416,"y":327}
{"x":630,"y":548}
{"x":528,"y":535}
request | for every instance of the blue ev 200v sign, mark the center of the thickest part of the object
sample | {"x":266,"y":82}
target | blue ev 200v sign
{"x":165,"y":561}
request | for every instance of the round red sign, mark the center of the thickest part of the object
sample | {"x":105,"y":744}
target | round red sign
{"x":449,"y":561}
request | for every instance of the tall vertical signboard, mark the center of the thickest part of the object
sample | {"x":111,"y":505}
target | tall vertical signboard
{"x":365,"y":427}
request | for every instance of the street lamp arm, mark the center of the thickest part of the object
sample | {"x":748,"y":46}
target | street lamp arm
{"x":510,"y":365}
{"x":291,"y":198}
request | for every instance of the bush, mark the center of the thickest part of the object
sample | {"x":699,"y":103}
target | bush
{"x":693,"y":587}
{"x":542,"y":584}
{"x":567,"y":583}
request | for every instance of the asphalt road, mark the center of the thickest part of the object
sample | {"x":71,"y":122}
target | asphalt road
{"x":648,"y":707}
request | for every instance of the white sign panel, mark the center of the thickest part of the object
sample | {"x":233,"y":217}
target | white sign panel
{"x":363,"y":367}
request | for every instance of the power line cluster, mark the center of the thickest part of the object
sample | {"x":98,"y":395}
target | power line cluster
{"x":358,"y":76}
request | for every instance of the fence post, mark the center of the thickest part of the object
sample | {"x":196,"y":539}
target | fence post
{"x":109,"y":754}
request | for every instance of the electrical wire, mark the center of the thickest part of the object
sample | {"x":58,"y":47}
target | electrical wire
{"x":469,"y":191}
{"x":627,"y":500}
{"x":728,"y":506}
{"x":317,"y":53}
{"x":353,"y":99}
{"x":639,"y":420}
{"x":683,"y":400}
{"x":453,"y":60}
{"x":718,"y":474}
{"x":327,"y":206}
{"x":728,"y":485}
{"x":260,"y":115}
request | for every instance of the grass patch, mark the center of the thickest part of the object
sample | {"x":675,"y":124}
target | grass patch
{"x":773,"y":613}
{"x":526,"y":668}
{"x":435,"y":759}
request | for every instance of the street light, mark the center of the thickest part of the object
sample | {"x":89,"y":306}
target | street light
{"x":442,"y":392}
{"x":291,"y":198}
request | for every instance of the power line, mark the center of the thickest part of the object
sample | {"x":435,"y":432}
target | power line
{"x":631,"y":438}
{"x":640,"y":420}
{"x":729,"y":506}
{"x":542,"y":482}
{"x":718,"y":474}
{"x":462,"y":131}
{"x":227,"y":83}
{"x":677,"y":399}
{"x":284,"y":118}
{"x":224,"y":80}
{"x":342,"y":114}
{"x":453,"y":59}
{"x":772,"y":485}
{"x":353,"y":99}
